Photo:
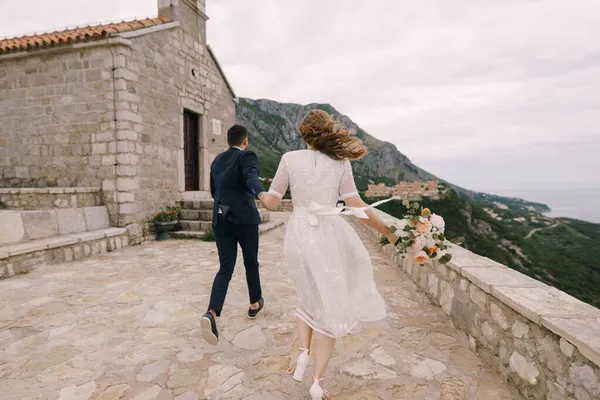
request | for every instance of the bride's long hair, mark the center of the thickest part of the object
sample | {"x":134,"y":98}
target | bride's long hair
{"x":331,"y":137}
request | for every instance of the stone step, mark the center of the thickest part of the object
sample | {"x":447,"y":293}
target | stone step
{"x":196,"y":215}
{"x":188,"y":234}
{"x":262,"y":228}
{"x":206,"y":216}
{"x":269,"y":226}
{"x":190,"y":225}
{"x":198,"y":205}
{"x":265,"y":216}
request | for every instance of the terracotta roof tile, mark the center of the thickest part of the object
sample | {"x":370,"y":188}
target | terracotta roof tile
{"x":76,"y":35}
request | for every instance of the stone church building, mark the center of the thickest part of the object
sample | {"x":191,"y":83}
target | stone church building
{"x":138,"y":109}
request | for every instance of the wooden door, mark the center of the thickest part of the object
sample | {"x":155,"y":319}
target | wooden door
{"x":191,"y":136}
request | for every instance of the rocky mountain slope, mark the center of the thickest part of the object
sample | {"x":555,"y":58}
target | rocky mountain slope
{"x":273,"y":129}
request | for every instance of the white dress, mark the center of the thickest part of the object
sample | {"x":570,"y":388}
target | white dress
{"x":326,"y":258}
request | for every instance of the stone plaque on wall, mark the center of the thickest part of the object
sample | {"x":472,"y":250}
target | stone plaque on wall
{"x":216,"y":127}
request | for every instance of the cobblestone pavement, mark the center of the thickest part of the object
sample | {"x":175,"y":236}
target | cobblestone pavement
{"x":125,"y":325}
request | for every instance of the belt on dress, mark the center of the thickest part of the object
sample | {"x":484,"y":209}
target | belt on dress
{"x":316,"y":210}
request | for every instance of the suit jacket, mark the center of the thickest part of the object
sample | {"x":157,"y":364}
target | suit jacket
{"x":234,"y":184}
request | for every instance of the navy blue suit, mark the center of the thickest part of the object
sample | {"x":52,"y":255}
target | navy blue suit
{"x":234,"y":185}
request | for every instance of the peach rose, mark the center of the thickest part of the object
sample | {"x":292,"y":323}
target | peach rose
{"x":424,"y":226}
{"x":421,"y":257}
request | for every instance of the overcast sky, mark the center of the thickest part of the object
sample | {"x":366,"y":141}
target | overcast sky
{"x":487,"y":94}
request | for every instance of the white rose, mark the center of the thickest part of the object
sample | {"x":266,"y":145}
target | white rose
{"x":430,"y":243}
{"x":402,"y":223}
{"x":401,"y":233}
{"x":437,"y":222}
{"x":418,"y":245}
{"x":421,"y":257}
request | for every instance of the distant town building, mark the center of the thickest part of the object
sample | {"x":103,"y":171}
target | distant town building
{"x":406,"y":190}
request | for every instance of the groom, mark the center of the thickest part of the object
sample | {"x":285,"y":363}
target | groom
{"x":234,"y":185}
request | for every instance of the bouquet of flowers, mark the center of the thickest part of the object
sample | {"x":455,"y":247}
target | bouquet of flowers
{"x":421,"y":235}
{"x":167,"y":215}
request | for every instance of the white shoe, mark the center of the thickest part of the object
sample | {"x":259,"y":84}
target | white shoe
{"x":317,"y":392}
{"x":297,"y":370}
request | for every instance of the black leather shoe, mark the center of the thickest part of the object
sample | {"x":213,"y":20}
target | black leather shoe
{"x":253,"y":313}
{"x":209,"y":329}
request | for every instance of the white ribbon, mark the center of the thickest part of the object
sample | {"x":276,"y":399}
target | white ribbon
{"x":359,"y":212}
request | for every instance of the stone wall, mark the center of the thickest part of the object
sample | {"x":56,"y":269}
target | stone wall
{"x":47,"y":198}
{"x":542,"y":340}
{"x":52,"y":106}
{"x":171,"y":72}
{"x":60,"y":123}
{"x":109,"y":114}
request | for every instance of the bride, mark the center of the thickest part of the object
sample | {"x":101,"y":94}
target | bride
{"x":327,"y":261}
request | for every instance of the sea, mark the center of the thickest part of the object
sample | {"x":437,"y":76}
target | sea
{"x":583,"y":204}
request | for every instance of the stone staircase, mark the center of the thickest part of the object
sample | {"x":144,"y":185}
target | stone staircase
{"x":195,"y":220}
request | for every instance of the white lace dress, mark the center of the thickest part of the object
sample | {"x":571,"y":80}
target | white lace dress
{"x":327,"y":260}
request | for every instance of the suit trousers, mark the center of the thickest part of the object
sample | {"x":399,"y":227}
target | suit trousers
{"x":227,"y":236}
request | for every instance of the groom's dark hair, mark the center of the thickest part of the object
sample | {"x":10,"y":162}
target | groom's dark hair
{"x":236,"y":135}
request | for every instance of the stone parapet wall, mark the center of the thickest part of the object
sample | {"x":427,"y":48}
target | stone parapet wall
{"x":284,"y":206}
{"x":48,"y":198}
{"x":542,"y":340}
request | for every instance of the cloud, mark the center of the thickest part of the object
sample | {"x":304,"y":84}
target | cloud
{"x":459,"y":86}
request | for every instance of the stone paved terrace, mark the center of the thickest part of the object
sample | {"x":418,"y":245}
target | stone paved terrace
{"x":125,"y":325}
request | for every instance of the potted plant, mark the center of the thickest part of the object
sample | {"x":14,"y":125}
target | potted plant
{"x":164,"y":222}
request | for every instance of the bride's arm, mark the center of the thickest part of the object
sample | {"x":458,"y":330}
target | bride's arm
{"x":349,"y":194}
{"x":373,"y":221}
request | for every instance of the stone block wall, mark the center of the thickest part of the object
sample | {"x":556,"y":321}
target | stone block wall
{"x":57,"y":118}
{"x":109,"y":114}
{"x":172,"y":71}
{"x":542,"y":340}
{"x":53,"y":105}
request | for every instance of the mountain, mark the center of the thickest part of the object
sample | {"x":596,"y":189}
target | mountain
{"x":564,"y":253}
{"x":273,"y":130}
